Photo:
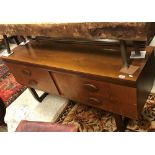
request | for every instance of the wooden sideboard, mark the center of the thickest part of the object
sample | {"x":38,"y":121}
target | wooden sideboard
{"x":86,"y":74}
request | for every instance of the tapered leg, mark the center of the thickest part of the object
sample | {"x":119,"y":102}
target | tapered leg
{"x":121,"y":122}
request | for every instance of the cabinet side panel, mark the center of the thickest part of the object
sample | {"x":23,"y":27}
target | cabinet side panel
{"x":145,"y":82}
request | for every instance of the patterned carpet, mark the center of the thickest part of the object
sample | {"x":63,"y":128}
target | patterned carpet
{"x":3,"y":69}
{"x":89,"y":119}
{"x":10,"y":89}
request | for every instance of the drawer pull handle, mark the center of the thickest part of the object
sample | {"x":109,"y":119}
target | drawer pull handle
{"x":90,"y":87}
{"x":33,"y":82}
{"x":94,"y":100}
{"x":26,"y":72}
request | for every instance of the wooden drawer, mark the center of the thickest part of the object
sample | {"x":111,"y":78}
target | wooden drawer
{"x":111,"y":97}
{"x":33,"y":77}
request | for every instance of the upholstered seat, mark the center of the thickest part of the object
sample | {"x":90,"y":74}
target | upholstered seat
{"x":34,"y":126}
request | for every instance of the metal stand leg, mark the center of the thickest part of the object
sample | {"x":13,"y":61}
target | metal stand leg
{"x":124,"y":53}
{"x":136,"y":48}
{"x":16,"y":40}
{"x":29,"y":37}
{"x":127,"y":69}
{"x":7,"y":44}
{"x":35,"y":95}
{"x":23,"y":38}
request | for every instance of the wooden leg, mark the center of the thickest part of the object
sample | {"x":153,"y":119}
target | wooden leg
{"x":121,"y":122}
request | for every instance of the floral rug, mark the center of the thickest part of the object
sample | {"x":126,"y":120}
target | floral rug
{"x":10,"y":89}
{"x":95,"y":120}
{"x":3,"y":69}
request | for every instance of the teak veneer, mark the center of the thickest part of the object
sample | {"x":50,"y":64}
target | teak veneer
{"x":84,"y":73}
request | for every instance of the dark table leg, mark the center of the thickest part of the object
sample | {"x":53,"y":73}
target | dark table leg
{"x":124,"y":54}
{"x":6,"y":41}
{"x":121,"y":122}
{"x":36,"y":96}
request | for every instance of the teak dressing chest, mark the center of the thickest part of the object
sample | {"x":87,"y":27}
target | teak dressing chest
{"x":86,"y":72}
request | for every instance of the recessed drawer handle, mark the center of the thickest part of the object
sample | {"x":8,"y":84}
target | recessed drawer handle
{"x":33,"y":82}
{"x":90,"y":87}
{"x":26,"y":72}
{"x":94,"y":100}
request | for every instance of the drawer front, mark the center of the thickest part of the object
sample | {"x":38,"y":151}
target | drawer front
{"x":111,"y":97}
{"x":33,"y":77}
